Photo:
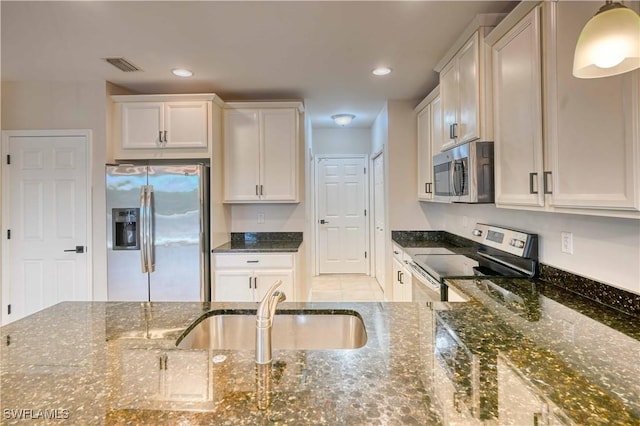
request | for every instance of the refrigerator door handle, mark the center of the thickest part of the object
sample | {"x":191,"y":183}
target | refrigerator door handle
{"x":151,"y":257}
{"x":143,"y":228}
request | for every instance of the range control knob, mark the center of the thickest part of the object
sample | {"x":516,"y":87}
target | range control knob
{"x":517,"y":243}
{"x":477,"y":232}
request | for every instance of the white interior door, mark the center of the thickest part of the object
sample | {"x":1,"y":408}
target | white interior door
{"x":45,"y":220}
{"x":378,"y":218}
{"x":342,"y":230}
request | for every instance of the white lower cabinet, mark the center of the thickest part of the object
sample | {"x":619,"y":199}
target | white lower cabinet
{"x":246,"y":278}
{"x":402,"y":278}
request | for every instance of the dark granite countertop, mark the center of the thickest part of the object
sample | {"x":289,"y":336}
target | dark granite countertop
{"x":261,"y":242}
{"x":423,"y":363}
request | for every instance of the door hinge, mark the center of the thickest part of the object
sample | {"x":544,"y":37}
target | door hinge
{"x":365,"y":254}
{"x":8,"y":234}
{"x":365,"y":170}
{"x":365,"y":212}
{"x":9,"y":309}
{"x":8,"y":159}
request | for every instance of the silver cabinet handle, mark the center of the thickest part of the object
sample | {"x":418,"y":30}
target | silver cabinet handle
{"x":249,"y":282}
{"x":257,"y":190}
{"x":165,"y":137}
{"x":160,"y":136}
{"x":260,"y":189}
{"x":546,"y":183}
{"x":323,"y":222}
{"x":253,"y":261}
{"x":532,"y":178}
{"x":450,"y":131}
{"x":455,"y":130}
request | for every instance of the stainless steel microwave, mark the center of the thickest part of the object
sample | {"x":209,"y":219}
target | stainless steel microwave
{"x":464,"y":174}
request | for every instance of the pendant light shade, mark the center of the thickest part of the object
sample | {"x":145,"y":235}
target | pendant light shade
{"x":609,"y":44}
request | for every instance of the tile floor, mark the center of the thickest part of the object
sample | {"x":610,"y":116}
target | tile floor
{"x":345,"y":288}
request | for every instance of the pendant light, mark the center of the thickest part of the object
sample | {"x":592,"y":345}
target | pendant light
{"x":609,"y":43}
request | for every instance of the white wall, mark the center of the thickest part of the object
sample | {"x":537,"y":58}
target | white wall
{"x":342,"y":141}
{"x":68,"y":105}
{"x":405,"y":211}
{"x":605,"y":249}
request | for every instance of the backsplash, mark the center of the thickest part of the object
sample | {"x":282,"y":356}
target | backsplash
{"x":266,"y":236}
{"x":621,"y":300}
{"x":605,"y":294}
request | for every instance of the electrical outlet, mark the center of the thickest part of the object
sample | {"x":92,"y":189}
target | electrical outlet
{"x":260,"y":217}
{"x":567,"y":242}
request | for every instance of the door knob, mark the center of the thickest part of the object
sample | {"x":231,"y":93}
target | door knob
{"x":78,"y":249}
{"x":322,"y":221}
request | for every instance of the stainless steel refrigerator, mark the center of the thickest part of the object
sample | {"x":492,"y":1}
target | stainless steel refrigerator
{"x":157,"y":232}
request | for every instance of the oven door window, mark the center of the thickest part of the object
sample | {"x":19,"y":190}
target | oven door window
{"x":442,"y":175}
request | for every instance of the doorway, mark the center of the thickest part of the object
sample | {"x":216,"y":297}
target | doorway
{"x":342,"y":196}
{"x":46,"y":220}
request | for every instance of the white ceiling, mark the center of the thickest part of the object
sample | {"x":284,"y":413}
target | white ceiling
{"x":320,"y":51}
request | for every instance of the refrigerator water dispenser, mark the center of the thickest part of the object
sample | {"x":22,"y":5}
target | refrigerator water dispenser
{"x":125,"y":229}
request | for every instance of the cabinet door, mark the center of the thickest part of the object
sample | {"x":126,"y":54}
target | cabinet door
{"x":397,"y":286}
{"x":437,"y":140}
{"x":468,"y":127}
{"x":279,"y":155}
{"x":241,"y":155}
{"x":142,"y":124}
{"x":186,"y":124}
{"x":449,"y":99}
{"x":266,"y":278}
{"x":594,"y":126}
{"x":406,"y":280}
{"x":233,"y":286}
{"x":517,"y":96}
{"x":425,"y":168}
{"x":187,"y":375}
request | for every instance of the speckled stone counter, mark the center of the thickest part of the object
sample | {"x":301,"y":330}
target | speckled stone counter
{"x":423,"y":363}
{"x":261,"y":242}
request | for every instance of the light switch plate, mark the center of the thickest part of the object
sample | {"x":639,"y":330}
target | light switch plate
{"x":567,"y":242}
{"x":260,"y":217}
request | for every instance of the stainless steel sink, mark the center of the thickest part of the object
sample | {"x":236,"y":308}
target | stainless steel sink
{"x":306,"y":329}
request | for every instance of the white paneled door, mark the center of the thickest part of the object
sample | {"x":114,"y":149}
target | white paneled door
{"x":341,"y":204}
{"x":45,"y":221}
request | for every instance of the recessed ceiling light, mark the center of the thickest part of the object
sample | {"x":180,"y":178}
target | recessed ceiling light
{"x":343,"y":119}
{"x":182,"y":72}
{"x":381,"y":71}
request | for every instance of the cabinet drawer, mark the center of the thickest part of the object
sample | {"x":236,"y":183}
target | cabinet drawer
{"x":253,"y":261}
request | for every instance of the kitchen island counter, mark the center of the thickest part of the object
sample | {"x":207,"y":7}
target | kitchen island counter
{"x":117,"y":363}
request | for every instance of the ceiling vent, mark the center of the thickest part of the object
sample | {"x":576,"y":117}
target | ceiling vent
{"x":122,"y":64}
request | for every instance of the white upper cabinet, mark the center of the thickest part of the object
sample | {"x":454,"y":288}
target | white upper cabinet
{"x":517,"y":97}
{"x":261,"y":149}
{"x":163,"y":126}
{"x":429,"y":141}
{"x":465,"y":82}
{"x":585,"y":157}
{"x":593,"y":126}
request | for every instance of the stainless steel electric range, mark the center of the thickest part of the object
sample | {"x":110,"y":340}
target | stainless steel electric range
{"x":501,"y":253}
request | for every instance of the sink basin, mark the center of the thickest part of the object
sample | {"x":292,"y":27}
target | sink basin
{"x":299,"y":329}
